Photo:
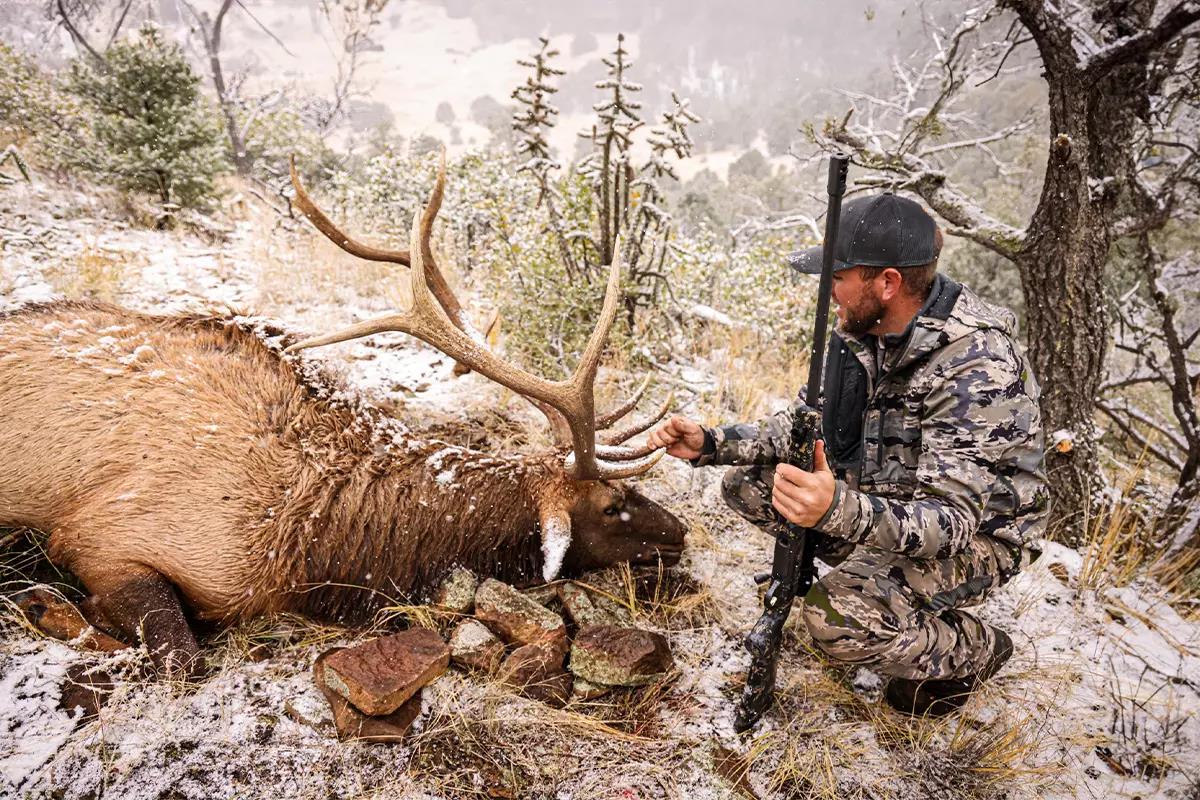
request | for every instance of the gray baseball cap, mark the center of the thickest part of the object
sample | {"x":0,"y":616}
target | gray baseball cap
{"x":883,"y":230}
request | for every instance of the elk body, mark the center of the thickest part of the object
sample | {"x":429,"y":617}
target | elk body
{"x":187,"y":464}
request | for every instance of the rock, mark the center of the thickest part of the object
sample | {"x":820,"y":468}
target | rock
{"x":543,"y":595}
{"x":583,"y":609}
{"x":457,"y":592}
{"x":615,"y":656}
{"x":473,"y":646}
{"x":536,"y":671}
{"x":351,"y":723}
{"x":516,"y":618}
{"x":586,"y":690}
{"x":52,"y":615}
{"x":380,"y":675}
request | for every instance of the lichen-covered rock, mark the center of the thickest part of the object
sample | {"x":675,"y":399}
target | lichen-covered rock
{"x":516,"y":618}
{"x":543,"y":595}
{"x":616,"y":656}
{"x":350,"y":723}
{"x":380,"y":675}
{"x":583,"y":608}
{"x":473,"y":646}
{"x":457,"y":592}
{"x":536,"y":671}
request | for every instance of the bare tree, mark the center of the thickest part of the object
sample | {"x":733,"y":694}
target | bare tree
{"x":1101,"y":62}
{"x":209,"y":29}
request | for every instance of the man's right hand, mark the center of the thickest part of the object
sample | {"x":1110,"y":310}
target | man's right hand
{"x":682,"y":438}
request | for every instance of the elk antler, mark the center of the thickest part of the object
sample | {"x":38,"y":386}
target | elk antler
{"x":430,"y":320}
{"x":437,"y":282}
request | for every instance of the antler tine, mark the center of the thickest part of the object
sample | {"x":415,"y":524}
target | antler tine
{"x":623,"y":435}
{"x":605,"y":420}
{"x":441,"y":289}
{"x":583,"y":423}
{"x":606,"y":471}
{"x":333,"y":233}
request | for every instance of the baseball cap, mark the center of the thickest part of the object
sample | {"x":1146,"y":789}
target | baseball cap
{"x":883,"y":230}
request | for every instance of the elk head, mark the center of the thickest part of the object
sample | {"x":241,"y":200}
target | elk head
{"x":587,"y":518}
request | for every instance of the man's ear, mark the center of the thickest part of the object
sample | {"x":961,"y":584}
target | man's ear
{"x":893,"y":281}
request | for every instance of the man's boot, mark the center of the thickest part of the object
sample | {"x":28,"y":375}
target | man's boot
{"x":936,"y":698}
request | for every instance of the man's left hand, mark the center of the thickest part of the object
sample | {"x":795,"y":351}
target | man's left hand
{"x":803,"y":497}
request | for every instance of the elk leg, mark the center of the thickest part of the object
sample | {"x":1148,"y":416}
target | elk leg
{"x":147,"y":606}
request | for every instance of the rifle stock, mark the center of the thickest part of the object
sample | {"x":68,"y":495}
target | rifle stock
{"x":792,"y":569}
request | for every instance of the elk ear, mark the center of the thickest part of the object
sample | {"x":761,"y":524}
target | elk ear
{"x":556,"y":538}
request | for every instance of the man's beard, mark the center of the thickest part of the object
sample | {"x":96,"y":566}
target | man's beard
{"x":864,"y":315}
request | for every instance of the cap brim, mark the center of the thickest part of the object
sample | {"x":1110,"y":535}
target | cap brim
{"x":809,"y":261}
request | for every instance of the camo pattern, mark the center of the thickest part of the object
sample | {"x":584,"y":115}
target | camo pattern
{"x":747,"y":490}
{"x":949,"y":496}
{"x":903,"y":616}
{"x":952,"y":439}
{"x":900,"y":616}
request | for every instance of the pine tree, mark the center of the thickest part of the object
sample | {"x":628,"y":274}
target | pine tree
{"x":151,"y":130}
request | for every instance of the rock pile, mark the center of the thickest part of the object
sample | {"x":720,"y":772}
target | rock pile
{"x":374,"y":688}
{"x":607,"y":651}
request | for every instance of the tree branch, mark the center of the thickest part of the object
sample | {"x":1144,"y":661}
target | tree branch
{"x":1130,"y":48}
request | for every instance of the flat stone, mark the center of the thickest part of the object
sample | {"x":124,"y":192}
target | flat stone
{"x":457,"y":592}
{"x":536,"y":671}
{"x":350,"y":723}
{"x":59,"y":619}
{"x":381,"y":675}
{"x":616,"y":656}
{"x":516,"y":618}
{"x":582,"y":607}
{"x":473,"y":646}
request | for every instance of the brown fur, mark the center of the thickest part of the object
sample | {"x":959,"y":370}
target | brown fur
{"x":189,"y":447}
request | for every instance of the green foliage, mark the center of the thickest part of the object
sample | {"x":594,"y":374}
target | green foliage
{"x":271,"y":137}
{"x":151,"y":130}
{"x":34,"y":110}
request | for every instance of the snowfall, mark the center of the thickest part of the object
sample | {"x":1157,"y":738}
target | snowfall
{"x":1101,"y":699}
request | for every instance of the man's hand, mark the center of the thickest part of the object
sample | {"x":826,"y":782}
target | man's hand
{"x":804,"y":497}
{"x":682,"y":438}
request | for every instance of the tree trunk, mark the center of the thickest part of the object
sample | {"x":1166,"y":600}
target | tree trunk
{"x":1095,"y":115}
{"x":1062,"y":274}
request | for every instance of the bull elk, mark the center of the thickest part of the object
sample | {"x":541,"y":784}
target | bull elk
{"x":194,"y":463}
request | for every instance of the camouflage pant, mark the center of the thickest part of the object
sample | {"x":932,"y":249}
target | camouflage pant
{"x":897,"y":615}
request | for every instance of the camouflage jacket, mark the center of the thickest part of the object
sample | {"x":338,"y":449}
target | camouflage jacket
{"x":951,"y":440}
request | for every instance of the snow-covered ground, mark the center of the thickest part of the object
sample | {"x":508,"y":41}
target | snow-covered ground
{"x":1102,"y":698}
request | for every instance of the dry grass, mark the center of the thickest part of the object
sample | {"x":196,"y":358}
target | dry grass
{"x":95,"y":273}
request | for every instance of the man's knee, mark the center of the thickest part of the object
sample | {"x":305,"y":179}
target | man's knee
{"x":845,"y":624}
{"x":747,"y":490}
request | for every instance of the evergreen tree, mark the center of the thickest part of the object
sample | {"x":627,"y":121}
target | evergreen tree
{"x":151,"y":129}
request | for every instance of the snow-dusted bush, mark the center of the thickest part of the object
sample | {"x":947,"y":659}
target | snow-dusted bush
{"x":151,"y":129}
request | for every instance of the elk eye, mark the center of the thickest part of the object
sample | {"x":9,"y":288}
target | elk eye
{"x":611,"y":511}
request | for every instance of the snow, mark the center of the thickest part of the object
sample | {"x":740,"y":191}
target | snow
{"x":32,"y":729}
{"x":556,"y":539}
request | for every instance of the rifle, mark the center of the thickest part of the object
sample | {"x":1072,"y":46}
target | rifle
{"x":792,"y":571}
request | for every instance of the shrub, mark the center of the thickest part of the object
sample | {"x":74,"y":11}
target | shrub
{"x":151,"y":130}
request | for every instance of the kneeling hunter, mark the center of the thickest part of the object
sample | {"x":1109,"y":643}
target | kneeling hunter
{"x":928,"y":489}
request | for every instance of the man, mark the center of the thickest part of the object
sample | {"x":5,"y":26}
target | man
{"x":927,"y":491}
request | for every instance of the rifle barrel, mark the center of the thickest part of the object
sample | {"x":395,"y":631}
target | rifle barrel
{"x":838,"y":166}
